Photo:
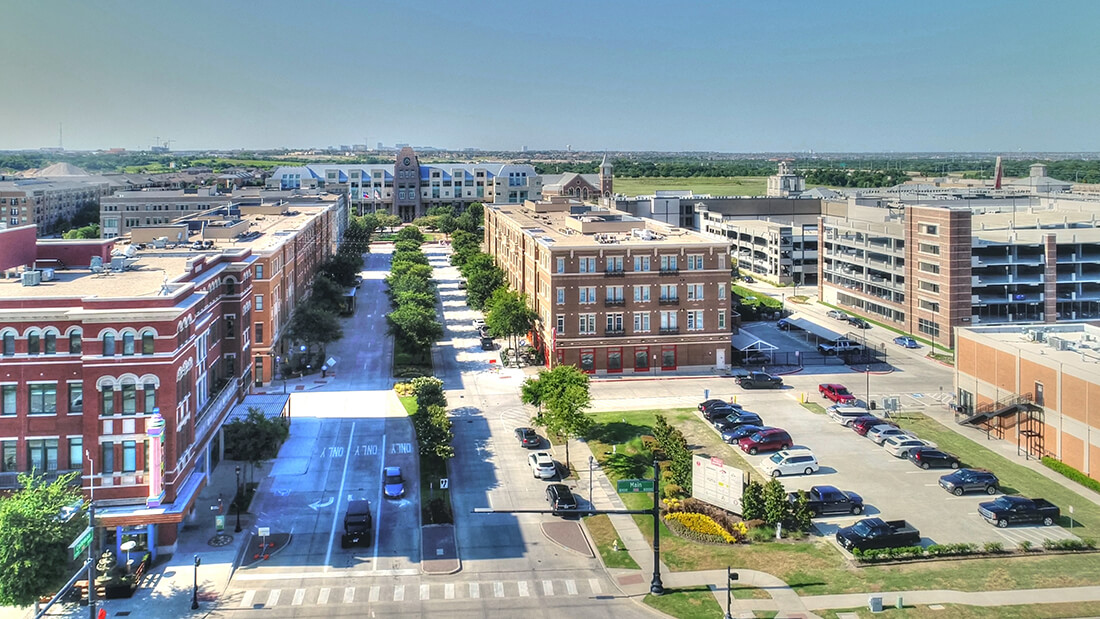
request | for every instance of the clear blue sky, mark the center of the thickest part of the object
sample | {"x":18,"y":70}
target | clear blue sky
{"x":630,"y":75}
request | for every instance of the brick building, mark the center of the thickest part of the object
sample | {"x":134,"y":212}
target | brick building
{"x":614,"y":293}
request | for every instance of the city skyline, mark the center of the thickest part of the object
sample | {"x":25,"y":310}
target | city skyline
{"x":939,"y":77}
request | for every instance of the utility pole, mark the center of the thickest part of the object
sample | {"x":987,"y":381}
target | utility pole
{"x":656,"y":587}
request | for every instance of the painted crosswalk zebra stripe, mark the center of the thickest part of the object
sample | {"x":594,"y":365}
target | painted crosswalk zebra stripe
{"x":349,"y":595}
{"x":246,"y":599}
{"x":375,"y":591}
{"x":475,"y":590}
{"x":523,"y":592}
{"x":273,"y":598}
{"x":571,"y":587}
{"x":299,"y":597}
{"x":425,"y":592}
{"x":595,"y":584}
{"x":449,"y":591}
{"x":399,"y":593}
{"x":322,"y":597}
{"x":498,"y":589}
{"x":548,"y":587}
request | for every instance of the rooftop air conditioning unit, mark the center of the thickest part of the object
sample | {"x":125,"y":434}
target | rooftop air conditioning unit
{"x":31,"y":278}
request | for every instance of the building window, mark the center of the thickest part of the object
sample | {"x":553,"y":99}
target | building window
{"x":588,"y":359}
{"x":129,"y":456}
{"x":722,"y":262}
{"x":695,"y":320}
{"x":7,"y":457}
{"x":587,"y":265}
{"x":560,"y":327}
{"x":76,"y":398}
{"x":668,"y":263}
{"x":561,"y":265}
{"x":929,"y":305}
{"x":722,"y":321}
{"x":42,"y":454}
{"x":76,"y":343}
{"x":108,"y":345}
{"x":8,"y":399}
{"x":722,"y":291}
{"x":641,"y":322}
{"x":587,"y":294}
{"x":129,"y":399}
{"x":669,"y":293}
{"x":1040,"y":399}
{"x":615,"y":264}
{"x":150,"y":397}
{"x":668,"y":357}
{"x":929,"y":287}
{"x":107,"y":402}
{"x":928,"y":327}
{"x":259,"y":271}
{"x":695,"y":262}
{"x":147,"y":345}
{"x":43,"y":399}
{"x":230,"y":327}
{"x":259,"y":332}
{"x":107,"y":460}
{"x":929,"y":229}
{"x":76,"y":452}
{"x":615,"y":323}
{"x":561,"y":296}
{"x":127,"y":344}
{"x":641,"y":263}
{"x":668,"y":321}
{"x":929,"y":267}
{"x":615,"y":294}
{"x":614,"y":360}
{"x":641,"y":359}
{"x":641,"y":294}
{"x":49,"y":340}
{"x":258,"y":301}
{"x":9,"y":344}
{"x":928,"y":248}
{"x":695,"y":292}
{"x":587,"y":324}
{"x":33,"y":342}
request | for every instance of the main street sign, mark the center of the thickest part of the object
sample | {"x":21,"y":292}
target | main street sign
{"x":82,"y":541}
{"x":635,"y":485}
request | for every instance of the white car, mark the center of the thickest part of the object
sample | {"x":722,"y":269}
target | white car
{"x":479,"y":323}
{"x":845,"y":414}
{"x":837,"y":314}
{"x":900,"y":446}
{"x":790,"y":462}
{"x":882,"y":432}
{"x":542,"y":465}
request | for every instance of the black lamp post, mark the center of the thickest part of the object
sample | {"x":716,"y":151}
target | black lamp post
{"x":237,"y":501}
{"x":195,"y":590}
{"x":731,"y":577}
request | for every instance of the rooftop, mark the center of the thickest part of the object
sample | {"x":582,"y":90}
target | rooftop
{"x":1074,"y":345}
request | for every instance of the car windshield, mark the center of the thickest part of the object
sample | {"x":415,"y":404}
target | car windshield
{"x":776,"y":458}
{"x":393,"y":478}
{"x":860,"y":528}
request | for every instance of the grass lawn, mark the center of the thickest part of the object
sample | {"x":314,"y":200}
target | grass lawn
{"x":948,"y":356}
{"x":687,"y":603}
{"x":409,"y":402}
{"x":1015,"y":479}
{"x":959,"y":611}
{"x":757,"y":298}
{"x":604,"y":535}
{"x":712,"y":185}
{"x":813,"y":407}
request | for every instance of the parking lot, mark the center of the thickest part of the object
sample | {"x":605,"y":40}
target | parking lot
{"x":892,"y":488}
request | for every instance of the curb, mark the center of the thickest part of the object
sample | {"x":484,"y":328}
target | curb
{"x":605,"y":379}
{"x":584,"y":533}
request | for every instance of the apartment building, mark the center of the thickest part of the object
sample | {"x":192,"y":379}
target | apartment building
{"x":614,"y":293}
{"x":123,"y":211}
{"x":408,"y":188}
{"x":776,"y":249}
{"x":45,"y":203}
{"x":1036,"y":385}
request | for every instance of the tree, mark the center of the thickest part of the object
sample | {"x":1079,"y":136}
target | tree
{"x":482,"y":278}
{"x":428,"y":391}
{"x":418,"y":299}
{"x":434,"y":432}
{"x":410,"y":281}
{"x":400,"y":269}
{"x":752,"y":501}
{"x":509,"y":316}
{"x":34,"y":538}
{"x":564,"y":392}
{"x":802,"y":515}
{"x":388,"y":221}
{"x":84,"y":232}
{"x":326,"y":294}
{"x":776,"y":506}
{"x":411,"y":233}
{"x":255,"y":438}
{"x":370,"y":223}
{"x":415,"y":324}
{"x":312,"y":325}
{"x":446,"y":224}
{"x":465,"y":241}
{"x":343,"y":267}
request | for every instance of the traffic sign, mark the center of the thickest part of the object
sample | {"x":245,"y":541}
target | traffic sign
{"x":82,"y":541}
{"x":444,"y":483}
{"x":635,"y":485}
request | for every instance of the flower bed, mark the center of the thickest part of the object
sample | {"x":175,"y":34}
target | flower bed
{"x":703,"y":522}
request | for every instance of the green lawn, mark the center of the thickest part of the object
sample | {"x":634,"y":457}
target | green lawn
{"x":687,"y":603}
{"x":604,"y":535}
{"x":757,"y":298}
{"x":959,"y":611}
{"x":813,"y":407}
{"x":709,"y":185}
{"x":409,"y":402}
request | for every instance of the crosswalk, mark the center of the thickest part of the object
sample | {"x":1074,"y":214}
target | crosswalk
{"x":319,"y":596}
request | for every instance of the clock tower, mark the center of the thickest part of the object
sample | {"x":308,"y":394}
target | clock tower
{"x":406,"y":185}
{"x":606,"y":178}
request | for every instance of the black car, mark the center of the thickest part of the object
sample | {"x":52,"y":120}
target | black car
{"x":718,"y":411}
{"x":760,"y":380}
{"x":862,"y":424}
{"x":783,"y":324}
{"x":528,"y":437}
{"x":736,"y":433}
{"x":929,"y":457}
{"x":828,"y":501}
{"x":748,"y":279}
{"x":711,"y":402}
{"x":733,"y":421}
{"x":970,"y":480}
{"x":858,"y":322}
{"x":487,"y":343}
{"x":483,"y":331}
{"x":560,"y":497}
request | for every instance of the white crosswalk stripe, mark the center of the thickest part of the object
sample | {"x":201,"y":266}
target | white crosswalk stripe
{"x":374,"y":593}
{"x":571,"y":587}
{"x":523,"y":592}
{"x":322,"y":597}
{"x":425,"y":592}
{"x":548,"y":587}
{"x":449,"y":591}
{"x":595,"y":584}
{"x":246,"y":599}
{"x":498,"y":589}
{"x":399,"y":593}
{"x":349,"y":594}
{"x":272,"y":598}
{"x":475,"y":590}
{"x":299,"y":597}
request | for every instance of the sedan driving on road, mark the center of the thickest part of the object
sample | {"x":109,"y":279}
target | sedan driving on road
{"x":393,"y":485}
{"x":560,"y":497}
{"x":542,"y":465}
{"x":528,"y":438}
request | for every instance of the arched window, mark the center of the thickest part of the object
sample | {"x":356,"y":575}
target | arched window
{"x":127,"y":344}
{"x":34,"y":343}
{"x":147,"y":343}
{"x":50,"y":342}
{"x":9,"y":344}
{"x":108,"y":345}
{"x":76,"y":342}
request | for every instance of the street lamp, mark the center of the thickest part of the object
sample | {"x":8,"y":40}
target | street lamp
{"x":731,"y":577}
{"x":195,"y":590}
{"x":238,"y":500}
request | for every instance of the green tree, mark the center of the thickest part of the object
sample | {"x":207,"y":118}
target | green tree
{"x":564,"y":393}
{"x":85,"y":232}
{"x":752,"y":501}
{"x":776,"y":506}
{"x":801,"y":514}
{"x":34,"y":538}
{"x":418,"y":299}
{"x":482,"y":278}
{"x":410,"y":281}
{"x":434,"y":432}
{"x":255,"y":438}
{"x":342,"y":267}
{"x":530,"y":392}
{"x":415,"y":257}
{"x":313,"y":326}
{"x":439,"y":211}
{"x":428,"y":391}
{"x":370,"y":223}
{"x":326,"y":294}
{"x":406,"y":245}
{"x":446,"y":224}
{"x":415,"y":324}
{"x":509,"y":316}
{"x":387,"y":221}
{"x":411,"y":233}
{"x":416,"y":270}
{"x":465,"y":241}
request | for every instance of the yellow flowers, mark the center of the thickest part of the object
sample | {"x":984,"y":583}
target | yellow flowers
{"x":704,"y":525}
{"x":403,"y":389}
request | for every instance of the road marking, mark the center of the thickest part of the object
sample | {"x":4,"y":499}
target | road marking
{"x":400,"y":448}
{"x":475,"y":590}
{"x":377,"y":521}
{"x":399,"y":593}
{"x":547,"y":587}
{"x":318,"y":504}
{"x":322,"y":574}
{"x":595,"y":584}
{"x":322,"y":597}
{"x":523,"y":592}
{"x":246,"y":600}
{"x":272,"y":598}
{"x":425,"y":592}
{"x":374,"y":592}
{"x":449,"y":591}
{"x":339,"y":495}
{"x":349,"y":594}
{"x":498,"y":589}
{"x":571,"y":587}
{"x":299,"y":597}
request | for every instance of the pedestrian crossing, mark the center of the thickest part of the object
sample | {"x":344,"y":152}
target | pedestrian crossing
{"x":423,"y":592}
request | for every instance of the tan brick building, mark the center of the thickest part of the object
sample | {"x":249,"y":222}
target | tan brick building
{"x":1037,"y":385}
{"x":615,"y":293}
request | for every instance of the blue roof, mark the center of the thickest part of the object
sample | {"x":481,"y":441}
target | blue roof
{"x":425,"y":173}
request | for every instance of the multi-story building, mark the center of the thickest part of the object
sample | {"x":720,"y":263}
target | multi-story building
{"x":786,"y":183}
{"x":45,"y":203}
{"x":614,"y":293}
{"x":1036,"y":385}
{"x":124,"y":210}
{"x":581,"y":186}
{"x":781,"y":250}
{"x":408,"y":188}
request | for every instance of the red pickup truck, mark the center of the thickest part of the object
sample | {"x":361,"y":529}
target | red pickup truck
{"x":836,"y":393}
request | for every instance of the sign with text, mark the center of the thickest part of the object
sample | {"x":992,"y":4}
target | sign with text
{"x":82,"y":541}
{"x":635,"y":485}
{"x":717,"y":483}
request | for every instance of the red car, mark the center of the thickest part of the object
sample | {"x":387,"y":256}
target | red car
{"x":864,"y":424}
{"x":836,"y":393}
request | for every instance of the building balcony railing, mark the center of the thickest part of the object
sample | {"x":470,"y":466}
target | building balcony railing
{"x":614,"y":302}
{"x":216,"y":406}
{"x":614,"y":273}
{"x":668,"y":301}
{"x":614,"y":332}
{"x":669,"y":272}
{"x":670,"y":330}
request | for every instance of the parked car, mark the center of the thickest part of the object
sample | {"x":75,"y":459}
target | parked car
{"x":478,"y":323}
{"x":760,"y":380}
{"x":771,"y":439}
{"x":845,"y":415}
{"x":483,"y":331}
{"x":970,"y":480}
{"x":828,"y":501}
{"x":528,"y":437}
{"x":843,"y":346}
{"x":720,"y":411}
{"x":930,"y":457}
{"x":733,"y":421}
{"x":858,"y":322}
{"x":878,"y":434}
{"x":487,"y":343}
{"x":1006,"y":510}
{"x":877,"y":533}
{"x":836,"y":393}
{"x":906,"y":342}
{"x":393,"y":485}
{"x":790,"y":462}
{"x":560,"y":497}
{"x":783,"y":324}
{"x":837,"y":314}
{"x":542,"y":465}
{"x":713,"y":402}
{"x":865,"y":424}
{"x":900,"y":446}
{"x":736,"y":433}
{"x":748,"y":279}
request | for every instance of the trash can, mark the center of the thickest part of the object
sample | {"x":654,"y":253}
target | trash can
{"x":873,"y":406}
{"x":875,"y":603}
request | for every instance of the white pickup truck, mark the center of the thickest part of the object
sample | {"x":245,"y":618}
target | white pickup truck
{"x":843,"y":346}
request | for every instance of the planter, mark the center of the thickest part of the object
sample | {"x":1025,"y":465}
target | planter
{"x":118,"y":591}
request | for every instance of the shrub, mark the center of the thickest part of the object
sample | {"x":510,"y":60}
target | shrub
{"x":994,"y":547}
{"x":403,"y":388}
{"x":1024,"y":546}
{"x":702,"y":525}
{"x":672,"y":490}
{"x":1068,"y":544}
{"x":776,"y":506}
{"x":1071,"y":473}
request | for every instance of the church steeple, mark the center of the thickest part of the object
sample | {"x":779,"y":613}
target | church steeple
{"x":607,"y":178}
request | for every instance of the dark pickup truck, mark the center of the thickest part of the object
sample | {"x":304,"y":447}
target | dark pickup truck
{"x":759,"y":380}
{"x":877,"y":533}
{"x":1008,"y":510}
{"x":827,"y":500}
{"x":357,"y":525}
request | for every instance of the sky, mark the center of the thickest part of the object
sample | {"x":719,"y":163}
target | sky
{"x":721,"y":75}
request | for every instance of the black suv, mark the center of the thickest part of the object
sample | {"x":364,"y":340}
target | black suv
{"x":721,"y":411}
{"x":738,"y":419}
{"x":970,"y":480}
{"x":929,"y":457}
{"x":560,"y":497}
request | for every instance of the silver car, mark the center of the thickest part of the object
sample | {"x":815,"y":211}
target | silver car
{"x":880,"y":433}
{"x":900,"y":446}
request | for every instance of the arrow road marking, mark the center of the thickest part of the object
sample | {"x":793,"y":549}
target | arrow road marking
{"x":319,"y":504}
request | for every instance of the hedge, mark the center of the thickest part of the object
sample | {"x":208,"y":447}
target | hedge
{"x":962,"y":550}
{"x":1071,"y":473}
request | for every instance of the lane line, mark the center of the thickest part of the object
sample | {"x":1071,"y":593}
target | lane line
{"x":378,"y":521}
{"x":299,"y":597}
{"x":339,"y":499}
{"x":246,"y":600}
{"x":272,"y":598}
{"x":322,"y":597}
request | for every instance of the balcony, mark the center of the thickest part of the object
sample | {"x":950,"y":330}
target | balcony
{"x":614,"y":302}
{"x":672,"y":271}
{"x":216,"y":407}
{"x":670,"y":330}
{"x":614,"y":273}
{"x":668,"y":301}
{"x":614,"y":332}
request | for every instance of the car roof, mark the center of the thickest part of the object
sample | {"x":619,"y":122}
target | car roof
{"x":559,"y":487}
{"x":525,"y":429}
{"x":393,"y":470}
{"x":540,"y":455}
{"x":832,"y":385}
{"x":795,"y":451}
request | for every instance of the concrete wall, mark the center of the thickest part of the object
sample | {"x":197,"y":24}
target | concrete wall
{"x":17,"y":247}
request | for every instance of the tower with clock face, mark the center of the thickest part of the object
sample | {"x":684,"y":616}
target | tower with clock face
{"x":406,"y":186}
{"x":607,"y":178}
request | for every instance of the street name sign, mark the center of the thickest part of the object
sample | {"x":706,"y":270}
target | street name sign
{"x":635,"y":485}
